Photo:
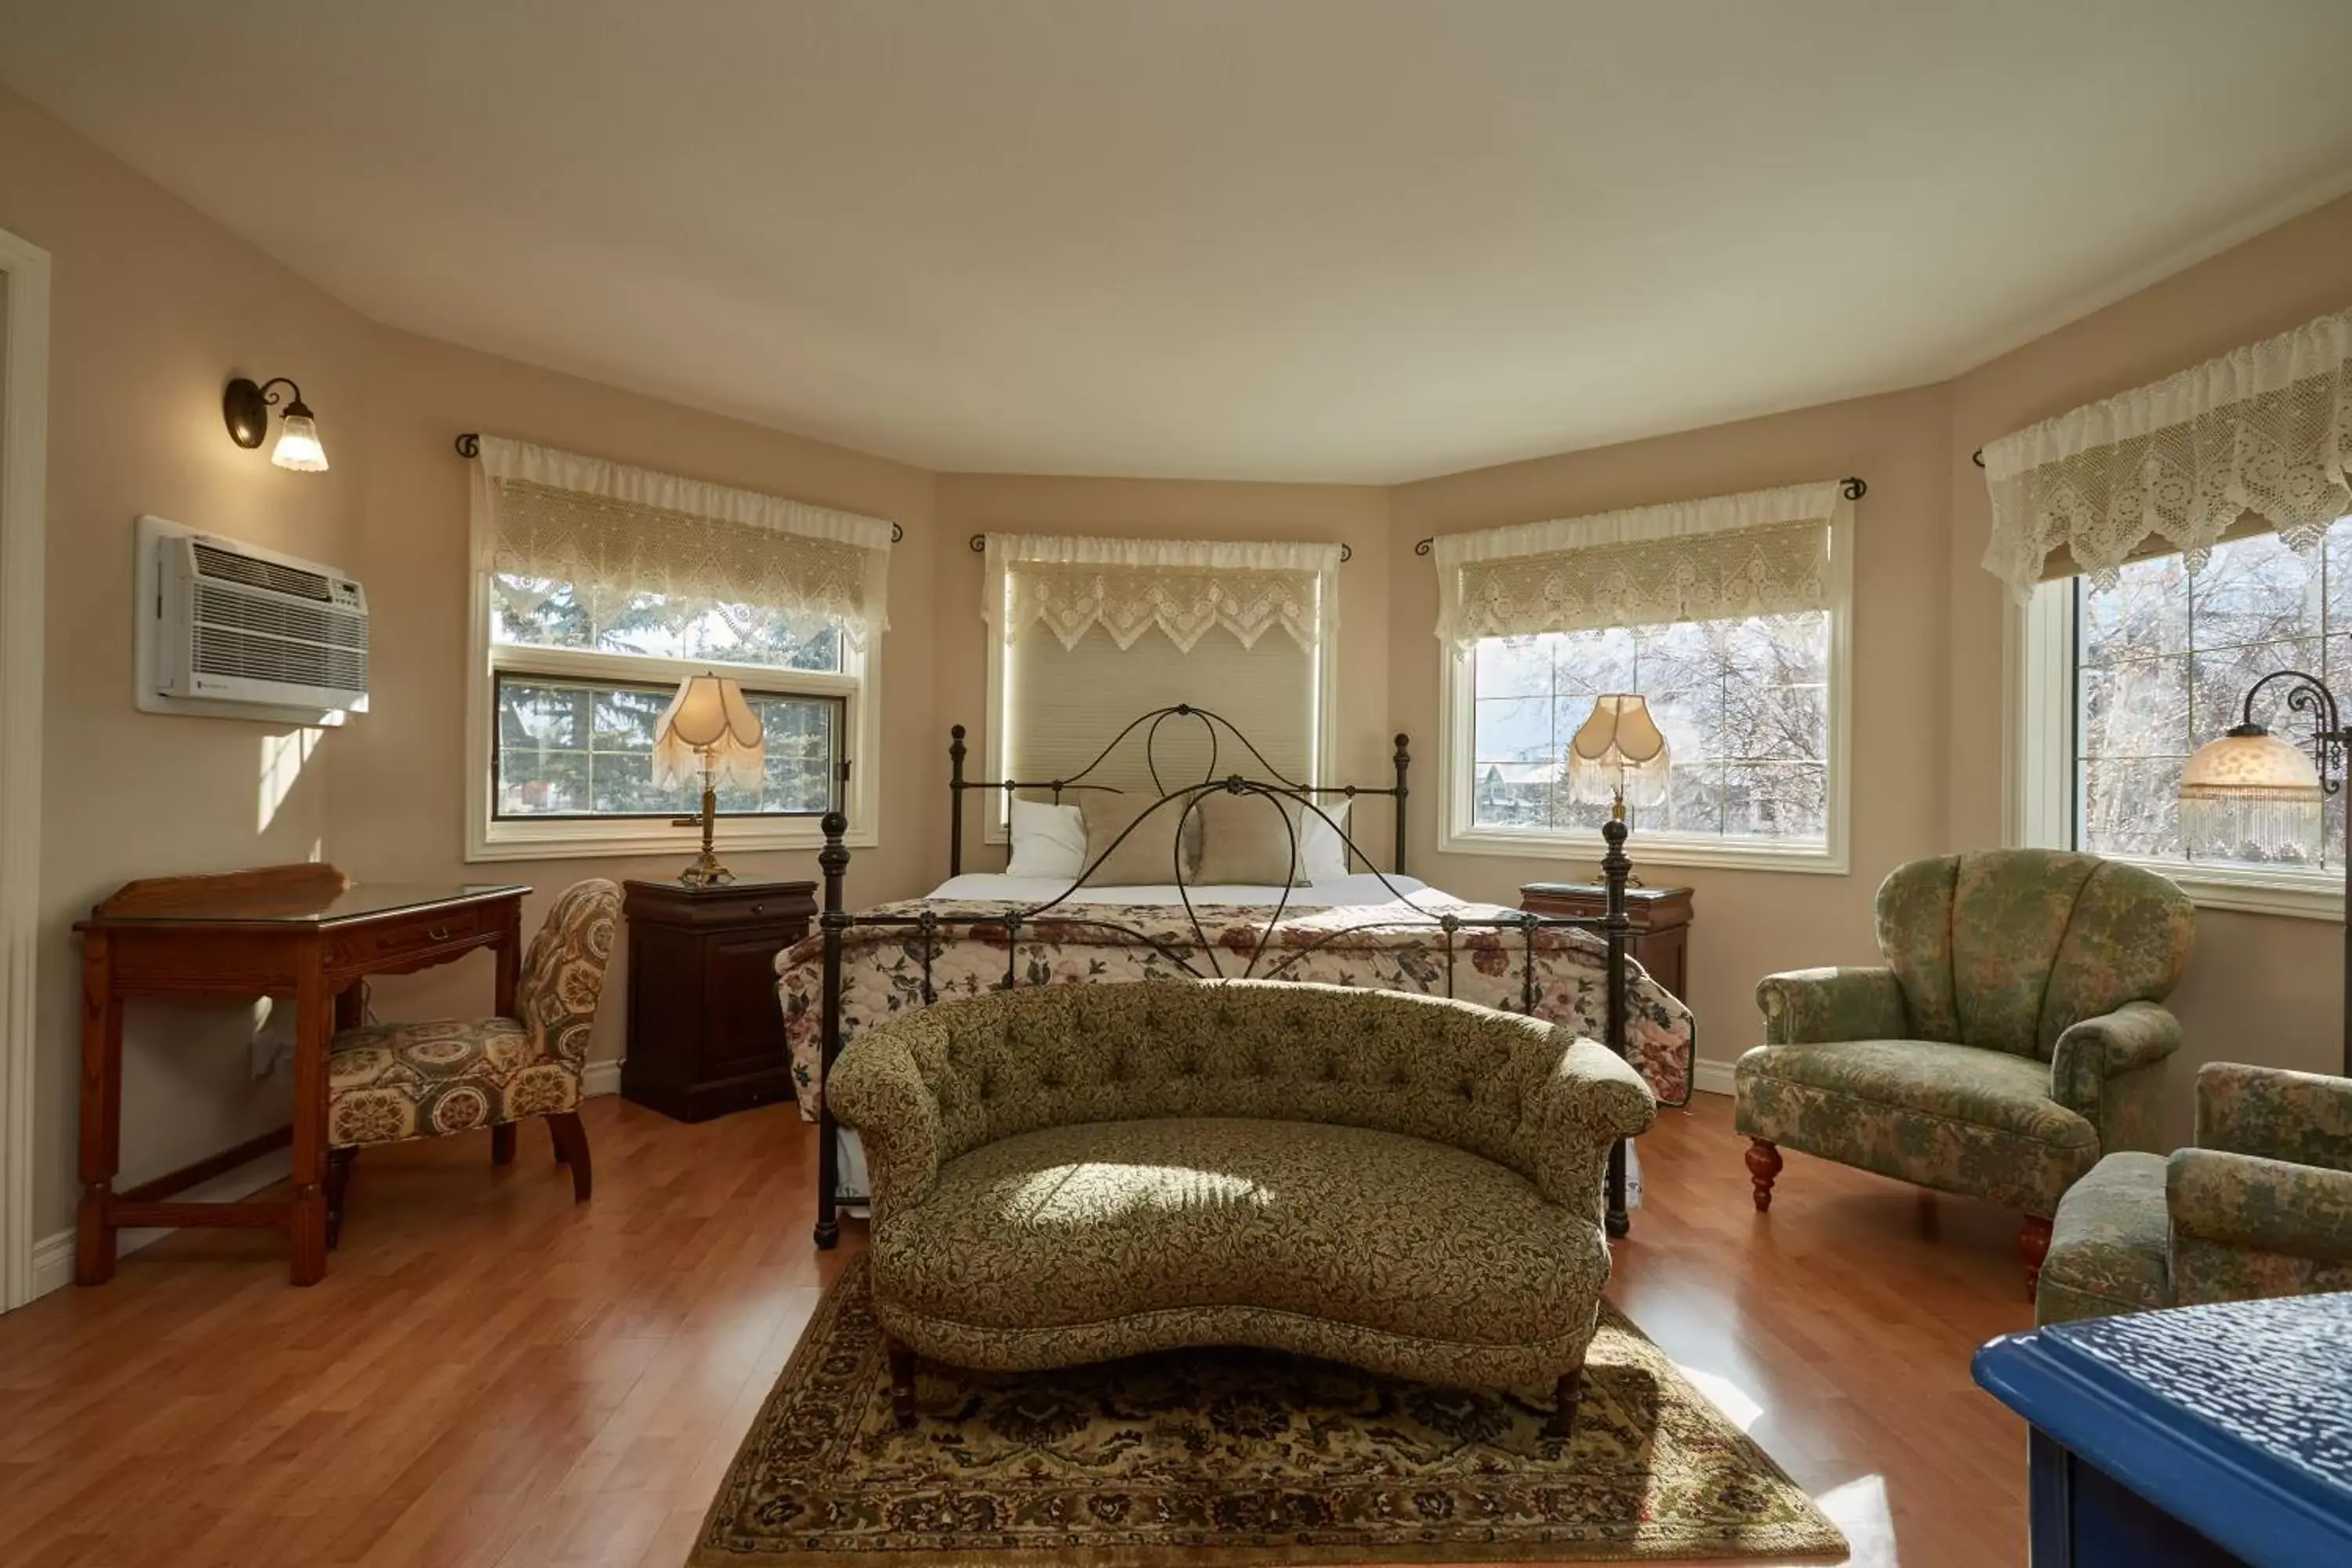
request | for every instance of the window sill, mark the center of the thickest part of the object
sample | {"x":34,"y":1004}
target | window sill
{"x":1647,"y":849}
{"x":575,"y":840}
{"x":2253,"y":892}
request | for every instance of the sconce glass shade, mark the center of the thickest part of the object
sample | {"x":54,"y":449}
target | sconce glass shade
{"x":297,"y":443}
{"x":1619,"y":747}
{"x":709,"y":719}
{"x":2252,"y":796}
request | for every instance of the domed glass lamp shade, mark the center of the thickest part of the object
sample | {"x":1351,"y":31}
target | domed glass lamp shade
{"x":2252,"y":796}
{"x":1619,"y":756}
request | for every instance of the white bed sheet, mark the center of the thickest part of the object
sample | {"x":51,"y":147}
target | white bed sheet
{"x":1363,"y":888}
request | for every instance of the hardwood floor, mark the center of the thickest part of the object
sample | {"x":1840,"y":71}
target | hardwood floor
{"x":490,"y":1375}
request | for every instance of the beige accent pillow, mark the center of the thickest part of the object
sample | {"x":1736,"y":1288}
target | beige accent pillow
{"x":1147,"y":858}
{"x":1247,"y":838}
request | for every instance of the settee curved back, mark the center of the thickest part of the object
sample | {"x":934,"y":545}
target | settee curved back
{"x":2004,"y":949}
{"x":1517,"y":1091}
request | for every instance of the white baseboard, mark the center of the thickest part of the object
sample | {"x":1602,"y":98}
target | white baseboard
{"x":53,"y":1255}
{"x":1711,"y":1077}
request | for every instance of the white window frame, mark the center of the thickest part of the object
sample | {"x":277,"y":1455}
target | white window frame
{"x":489,"y":837}
{"x":2041,"y":810}
{"x":1458,"y":833}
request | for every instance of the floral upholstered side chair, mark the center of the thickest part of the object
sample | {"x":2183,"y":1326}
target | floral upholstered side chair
{"x":2013,"y":1037}
{"x":387,"y":1083}
{"x":2260,"y":1206}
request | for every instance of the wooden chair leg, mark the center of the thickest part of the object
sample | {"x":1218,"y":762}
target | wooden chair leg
{"x":1763,"y":1168}
{"x":1565,"y":1394}
{"x":502,"y":1143}
{"x":557,"y":1141}
{"x":902,"y":1383}
{"x":339,"y":1182}
{"x":2034,"y":1246}
{"x":573,"y":1140}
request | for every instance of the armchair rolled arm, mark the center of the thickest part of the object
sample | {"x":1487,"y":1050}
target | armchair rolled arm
{"x":876,"y":1086}
{"x":1592,"y":1098}
{"x":2090,"y":1053}
{"x":2270,"y":1205}
{"x":2305,"y":1118}
{"x":1810,"y":1006}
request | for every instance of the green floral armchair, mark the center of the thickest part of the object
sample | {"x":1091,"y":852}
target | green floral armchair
{"x":2013,"y":1037}
{"x":2260,"y":1206}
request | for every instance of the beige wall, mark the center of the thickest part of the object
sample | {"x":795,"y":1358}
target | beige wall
{"x":152,"y":309}
{"x":1748,"y":923}
{"x":1356,"y":515}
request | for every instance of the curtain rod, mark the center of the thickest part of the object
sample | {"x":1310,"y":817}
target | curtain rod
{"x":1850,"y":487}
{"x":979,"y":543}
{"x":469,"y":445}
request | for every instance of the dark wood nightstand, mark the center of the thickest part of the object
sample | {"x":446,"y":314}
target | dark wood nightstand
{"x":1661,"y":916}
{"x":705,"y":1034}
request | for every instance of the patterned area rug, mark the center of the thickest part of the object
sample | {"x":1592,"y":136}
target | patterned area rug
{"x":1211,"y":1458}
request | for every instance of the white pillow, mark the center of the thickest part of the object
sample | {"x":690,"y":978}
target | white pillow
{"x":1047,"y":841}
{"x":1322,"y":852}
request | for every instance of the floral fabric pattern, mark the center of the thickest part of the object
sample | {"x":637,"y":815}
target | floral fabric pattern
{"x":1061,"y":1174}
{"x":1395,"y":947}
{"x":390,"y":1082}
{"x":1236,"y":1458}
{"x":2022,"y":987}
{"x":2107,"y":1244}
{"x":2303,"y":1118}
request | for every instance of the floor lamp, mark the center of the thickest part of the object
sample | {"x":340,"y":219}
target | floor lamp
{"x":2251,"y":795}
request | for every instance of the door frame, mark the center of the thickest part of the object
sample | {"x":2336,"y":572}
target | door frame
{"x":23,"y":527}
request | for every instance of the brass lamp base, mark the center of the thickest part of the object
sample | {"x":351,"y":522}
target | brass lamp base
{"x":705,"y":871}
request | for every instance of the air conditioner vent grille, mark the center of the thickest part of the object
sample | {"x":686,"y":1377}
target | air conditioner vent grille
{"x":234,"y":611}
{"x":235,"y":655}
{"x":260,"y":573}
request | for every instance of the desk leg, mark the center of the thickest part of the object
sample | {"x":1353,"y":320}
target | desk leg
{"x":313,"y":1026}
{"x":509,"y":951}
{"x":101,"y":1112}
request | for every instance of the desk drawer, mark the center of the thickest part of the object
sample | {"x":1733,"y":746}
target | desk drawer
{"x":428,"y":931}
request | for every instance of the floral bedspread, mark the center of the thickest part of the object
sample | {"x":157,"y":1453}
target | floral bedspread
{"x":1392,"y":947}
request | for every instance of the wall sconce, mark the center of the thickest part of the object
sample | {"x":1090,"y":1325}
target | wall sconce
{"x":246,"y":407}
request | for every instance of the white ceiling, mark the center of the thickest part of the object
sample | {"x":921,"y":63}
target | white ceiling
{"x":1303,"y":239}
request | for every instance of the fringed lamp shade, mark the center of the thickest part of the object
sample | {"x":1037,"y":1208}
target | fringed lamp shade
{"x":2251,"y":795}
{"x":708,"y":716}
{"x":1619,"y":747}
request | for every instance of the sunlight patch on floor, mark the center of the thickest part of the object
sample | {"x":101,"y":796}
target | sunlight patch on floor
{"x":1739,"y":1407}
{"x":1859,"y":1510}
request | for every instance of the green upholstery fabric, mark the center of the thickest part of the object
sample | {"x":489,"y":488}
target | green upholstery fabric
{"x":2011,"y":1037}
{"x":1948,"y":1117}
{"x":2107,"y":1245}
{"x":1067,"y":1174}
{"x":2214,"y":1224}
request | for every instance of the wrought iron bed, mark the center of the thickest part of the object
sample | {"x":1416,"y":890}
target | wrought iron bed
{"x":1456,"y":931}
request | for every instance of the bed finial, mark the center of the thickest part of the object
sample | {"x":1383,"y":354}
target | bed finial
{"x":955,"y":800}
{"x":833,"y":861}
{"x":1404,"y":759}
{"x":1616,"y":866}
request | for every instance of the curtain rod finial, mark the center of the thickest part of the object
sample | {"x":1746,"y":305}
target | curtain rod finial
{"x":469,"y":445}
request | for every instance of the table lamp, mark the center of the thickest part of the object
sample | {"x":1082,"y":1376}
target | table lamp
{"x":2251,"y":795}
{"x":709,"y":728}
{"x":1618,"y":757}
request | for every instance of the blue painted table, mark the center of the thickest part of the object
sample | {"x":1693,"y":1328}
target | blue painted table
{"x":2188,"y":1438}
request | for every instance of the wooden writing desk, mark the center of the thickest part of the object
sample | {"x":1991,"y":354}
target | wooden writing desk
{"x":302,"y":931}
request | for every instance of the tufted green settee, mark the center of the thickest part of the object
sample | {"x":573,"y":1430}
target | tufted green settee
{"x":2260,"y":1206}
{"x":2013,"y":1037}
{"x":1067,"y":1174}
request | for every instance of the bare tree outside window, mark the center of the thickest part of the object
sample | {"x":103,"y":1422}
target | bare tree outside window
{"x":2163,"y":661}
{"x":1744,"y":704}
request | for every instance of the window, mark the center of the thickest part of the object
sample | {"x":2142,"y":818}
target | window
{"x":1727,"y":614}
{"x":2126,"y":681}
{"x":597,"y":590}
{"x":1744,"y":705}
{"x":1089,"y":633}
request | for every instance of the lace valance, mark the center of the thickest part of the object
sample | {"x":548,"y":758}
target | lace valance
{"x":2264,"y":431}
{"x":1761,"y":553}
{"x":613,"y":535}
{"x":1180,"y":587}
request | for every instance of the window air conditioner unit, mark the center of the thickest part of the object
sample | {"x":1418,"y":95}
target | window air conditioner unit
{"x":238,"y":630}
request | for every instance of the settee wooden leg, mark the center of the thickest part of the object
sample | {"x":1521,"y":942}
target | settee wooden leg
{"x":502,"y":1143}
{"x":1763,"y":1168}
{"x":902,"y":1383}
{"x":2034,"y":1246}
{"x":572,"y":1139}
{"x":1569,"y":1389}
